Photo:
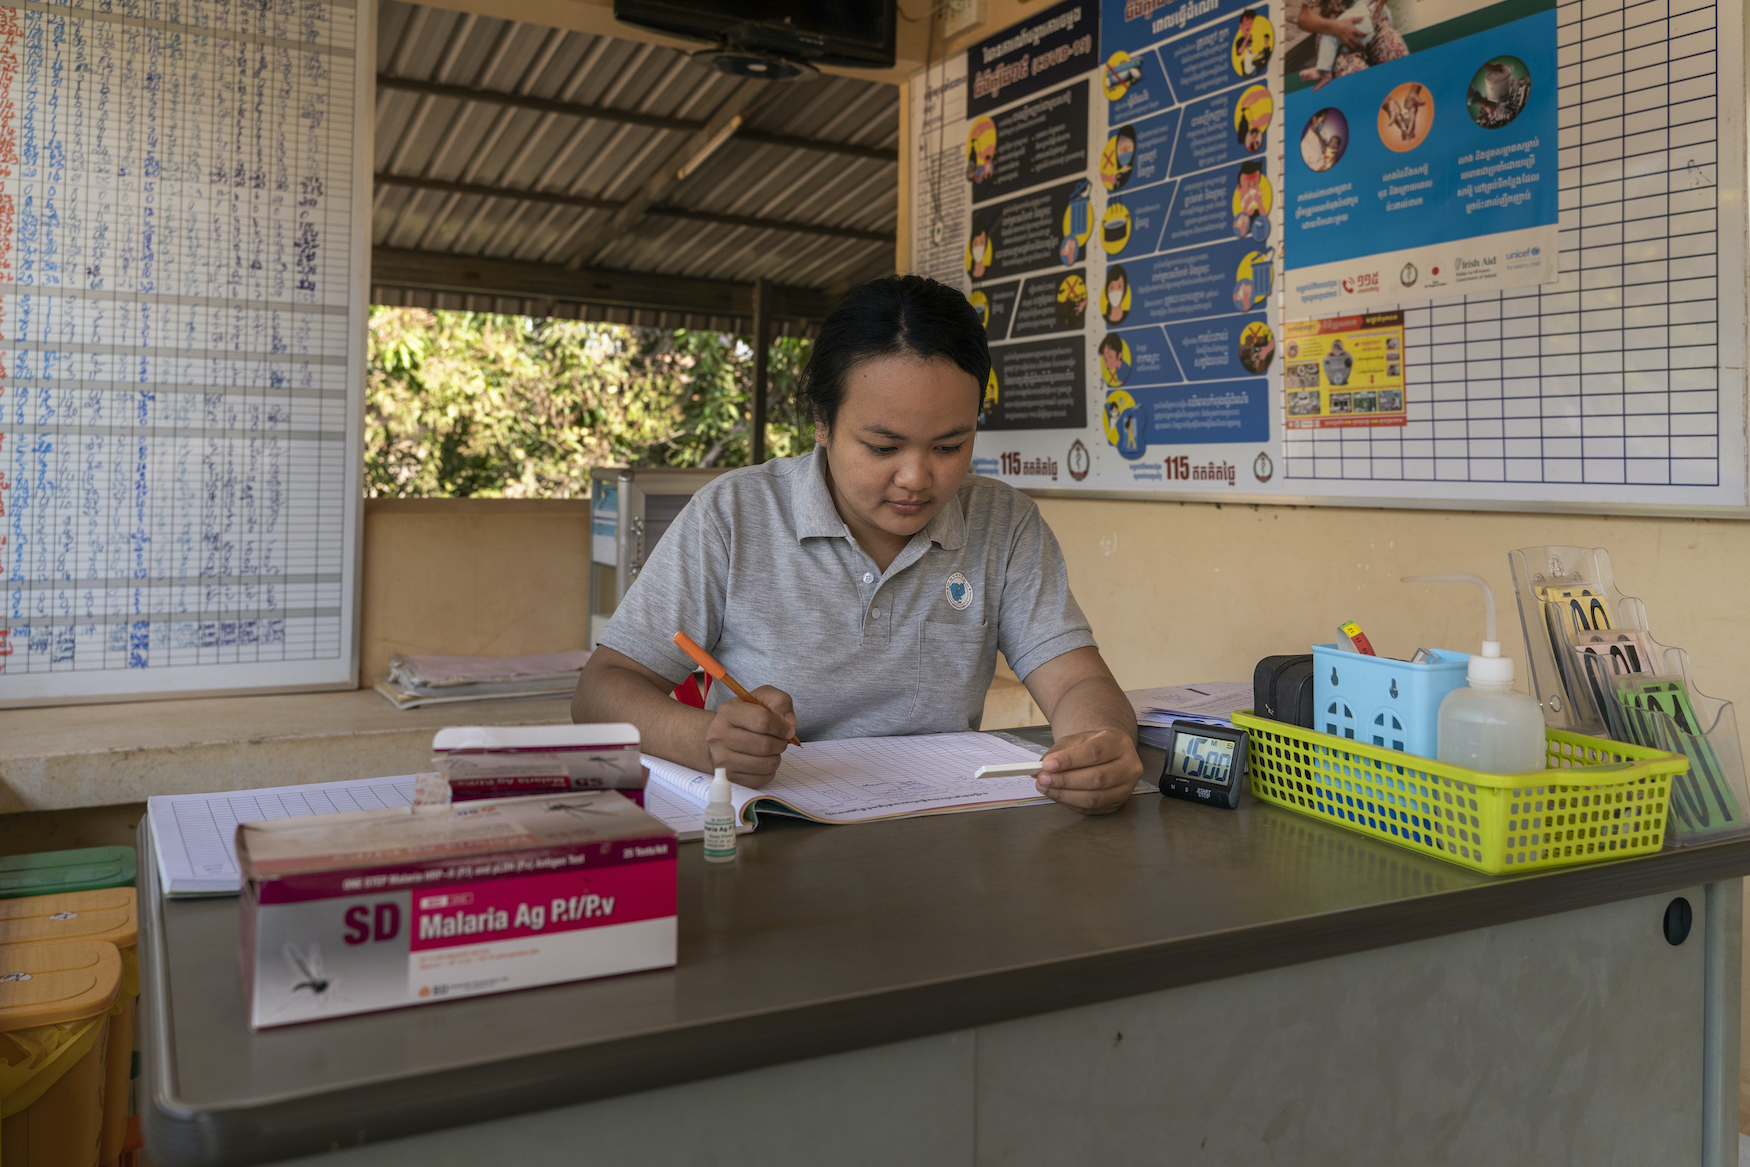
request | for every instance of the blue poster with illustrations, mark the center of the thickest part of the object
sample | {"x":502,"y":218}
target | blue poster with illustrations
{"x":1118,"y":231}
{"x":1422,"y":153}
{"x":1186,"y":228}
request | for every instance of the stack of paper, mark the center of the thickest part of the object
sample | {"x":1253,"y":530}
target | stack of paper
{"x":414,"y":681}
{"x":1214,"y":702}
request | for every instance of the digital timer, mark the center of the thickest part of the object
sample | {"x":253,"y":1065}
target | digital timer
{"x":1205,"y":763}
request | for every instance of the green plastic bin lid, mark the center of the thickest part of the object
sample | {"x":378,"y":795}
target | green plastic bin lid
{"x":48,"y":872}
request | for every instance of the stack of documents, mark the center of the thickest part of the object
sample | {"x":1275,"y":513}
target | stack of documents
{"x":1213,"y":702}
{"x":414,"y":681}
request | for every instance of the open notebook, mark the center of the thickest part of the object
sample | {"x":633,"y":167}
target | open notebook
{"x":858,"y":780}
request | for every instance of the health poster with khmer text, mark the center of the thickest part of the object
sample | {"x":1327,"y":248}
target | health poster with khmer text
{"x":1096,"y":179}
{"x":1423,"y":160}
{"x":1185,"y":301}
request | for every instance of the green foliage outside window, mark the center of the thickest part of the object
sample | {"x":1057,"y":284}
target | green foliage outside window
{"x":466,"y":404}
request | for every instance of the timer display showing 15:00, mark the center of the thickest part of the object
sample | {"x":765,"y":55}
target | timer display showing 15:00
{"x":1205,"y":759}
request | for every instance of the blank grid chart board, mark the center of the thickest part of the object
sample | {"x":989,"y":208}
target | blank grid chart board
{"x":1624,"y":382}
{"x":181,"y":344}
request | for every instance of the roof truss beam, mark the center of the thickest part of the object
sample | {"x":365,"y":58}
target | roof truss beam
{"x":473,"y":275}
{"x":585,"y":202}
{"x":630,"y":117}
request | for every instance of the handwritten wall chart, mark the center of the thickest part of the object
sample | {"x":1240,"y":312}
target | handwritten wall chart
{"x":181,"y":344}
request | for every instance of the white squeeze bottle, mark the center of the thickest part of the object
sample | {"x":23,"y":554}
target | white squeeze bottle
{"x":1487,"y":726}
{"x":720,"y":821}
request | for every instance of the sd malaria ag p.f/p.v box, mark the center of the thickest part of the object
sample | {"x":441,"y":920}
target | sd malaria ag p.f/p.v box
{"x":377,"y":909}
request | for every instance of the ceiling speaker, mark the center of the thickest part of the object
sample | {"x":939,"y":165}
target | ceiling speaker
{"x":755,"y":65}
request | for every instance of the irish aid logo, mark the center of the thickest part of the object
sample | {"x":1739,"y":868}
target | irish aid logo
{"x":959,"y":592}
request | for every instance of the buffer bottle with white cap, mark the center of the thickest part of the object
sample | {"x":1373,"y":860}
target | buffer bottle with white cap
{"x":720,"y":821}
{"x":1487,"y":726}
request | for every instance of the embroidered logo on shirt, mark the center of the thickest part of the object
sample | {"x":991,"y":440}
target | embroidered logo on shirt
{"x":959,"y":592}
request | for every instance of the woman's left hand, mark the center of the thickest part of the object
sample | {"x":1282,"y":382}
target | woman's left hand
{"x":1348,"y":30}
{"x":1093,"y":771}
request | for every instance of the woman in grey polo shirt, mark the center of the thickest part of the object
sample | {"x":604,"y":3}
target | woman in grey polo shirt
{"x":867,"y":586}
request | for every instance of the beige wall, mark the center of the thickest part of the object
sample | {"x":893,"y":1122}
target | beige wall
{"x":472,"y":577}
{"x":1175,"y":591}
{"x":1190,"y":591}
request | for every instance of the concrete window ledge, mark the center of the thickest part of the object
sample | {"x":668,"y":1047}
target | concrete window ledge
{"x":104,"y":755}
{"x":75,"y":756}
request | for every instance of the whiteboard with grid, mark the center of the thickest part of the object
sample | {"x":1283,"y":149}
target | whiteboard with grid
{"x":183,"y":189}
{"x":1624,"y":383}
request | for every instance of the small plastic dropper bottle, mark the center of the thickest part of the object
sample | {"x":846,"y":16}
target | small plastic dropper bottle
{"x":1487,"y":726}
{"x":720,"y":821}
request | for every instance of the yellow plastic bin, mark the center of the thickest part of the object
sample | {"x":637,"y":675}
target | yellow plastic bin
{"x":55,"y":1002}
{"x":106,"y":915}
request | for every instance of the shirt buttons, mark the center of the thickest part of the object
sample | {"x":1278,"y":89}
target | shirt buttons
{"x":868,"y":577}
{"x":874,"y":613}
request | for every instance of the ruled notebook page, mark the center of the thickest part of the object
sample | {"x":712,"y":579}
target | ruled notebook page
{"x":858,"y":779}
{"x":195,"y":835}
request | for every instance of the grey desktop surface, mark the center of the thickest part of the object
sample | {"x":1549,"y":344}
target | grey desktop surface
{"x":822,"y":939}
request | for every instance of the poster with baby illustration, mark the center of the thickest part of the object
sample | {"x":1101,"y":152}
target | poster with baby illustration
{"x":1423,"y":156}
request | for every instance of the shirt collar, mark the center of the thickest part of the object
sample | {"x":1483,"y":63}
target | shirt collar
{"x":816,"y":517}
{"x":948,"y":528}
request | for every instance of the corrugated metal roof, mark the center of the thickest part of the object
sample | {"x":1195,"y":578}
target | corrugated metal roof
{"x":493,"y":171}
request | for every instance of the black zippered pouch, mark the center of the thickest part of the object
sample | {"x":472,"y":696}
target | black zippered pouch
{"x":1282,"y":689}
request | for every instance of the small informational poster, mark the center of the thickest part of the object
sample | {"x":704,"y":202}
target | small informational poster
{"x":1344,"y":371}
{"x":1422,"y":151}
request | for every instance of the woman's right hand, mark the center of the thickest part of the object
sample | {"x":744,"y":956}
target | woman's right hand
{"x":747,"y":740}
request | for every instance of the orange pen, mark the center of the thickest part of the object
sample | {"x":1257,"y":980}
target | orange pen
{"x":709,"y":663}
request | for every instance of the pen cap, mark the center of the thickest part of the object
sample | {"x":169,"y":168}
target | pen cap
{"x":720,"y":785}
{"x":1488,"y":668}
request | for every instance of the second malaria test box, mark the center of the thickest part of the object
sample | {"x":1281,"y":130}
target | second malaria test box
{"x":377,"y":909}
{"x":501,"y":761}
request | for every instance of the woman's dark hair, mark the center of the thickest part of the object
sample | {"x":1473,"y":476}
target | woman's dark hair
{"x":907,"y":315}
{"x":1117,"y":272}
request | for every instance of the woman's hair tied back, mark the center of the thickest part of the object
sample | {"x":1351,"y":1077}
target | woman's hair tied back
{"x":896,"y":315}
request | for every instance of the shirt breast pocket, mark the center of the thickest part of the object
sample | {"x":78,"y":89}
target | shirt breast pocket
{"x":955,"y":665}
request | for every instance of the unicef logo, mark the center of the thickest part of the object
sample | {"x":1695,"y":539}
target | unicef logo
{"x":959,"y":592}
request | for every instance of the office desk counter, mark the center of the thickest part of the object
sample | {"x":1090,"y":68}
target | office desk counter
{"x":1024,"y":986}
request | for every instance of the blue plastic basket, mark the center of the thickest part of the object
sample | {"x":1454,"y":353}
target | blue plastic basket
{"x":1389,"y":703}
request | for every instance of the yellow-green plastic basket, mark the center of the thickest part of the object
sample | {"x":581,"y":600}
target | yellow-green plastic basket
{"x":1598,"y":799}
